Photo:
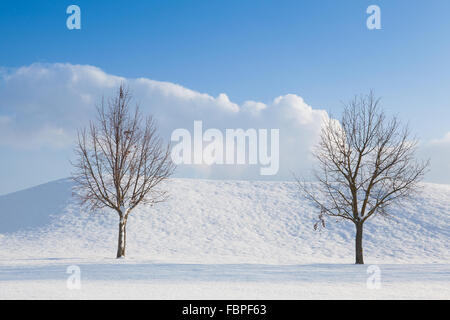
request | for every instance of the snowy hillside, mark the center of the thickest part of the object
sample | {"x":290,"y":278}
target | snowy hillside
{"x":208,"y":221}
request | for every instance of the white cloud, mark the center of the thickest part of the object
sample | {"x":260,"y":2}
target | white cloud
{"x":41,"y":137}
{"x":253,"y":107}
{"x":438,"y":151}
{"x":445,"y":140}
{"x":42,"y":105}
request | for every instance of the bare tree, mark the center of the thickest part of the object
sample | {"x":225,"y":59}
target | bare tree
{"x":366,"y":163}
{"x":121,"y":161}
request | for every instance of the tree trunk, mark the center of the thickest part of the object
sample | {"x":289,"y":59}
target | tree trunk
{"x":358,"y":243}
{"x":122,"y":237}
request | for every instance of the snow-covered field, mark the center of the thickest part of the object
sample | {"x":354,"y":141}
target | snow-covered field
{"x":221,"y":240}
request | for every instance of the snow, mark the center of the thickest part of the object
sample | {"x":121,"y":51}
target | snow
{"x":218,"y":239}
{"x":123,"y":279}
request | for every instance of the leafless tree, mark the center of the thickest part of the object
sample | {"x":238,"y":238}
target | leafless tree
{"x":366,"y":163}
{"x":120,"y":161}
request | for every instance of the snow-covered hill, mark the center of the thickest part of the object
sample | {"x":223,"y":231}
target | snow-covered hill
{"x":207,"y":221}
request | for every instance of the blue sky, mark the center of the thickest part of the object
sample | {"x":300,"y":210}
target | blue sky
{"x":251,"y":50}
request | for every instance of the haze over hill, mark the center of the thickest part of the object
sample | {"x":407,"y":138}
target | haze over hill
{"x":214,"y":221}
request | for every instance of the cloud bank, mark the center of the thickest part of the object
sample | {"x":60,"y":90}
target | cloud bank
{"x":438,"y":151}
{"x":42,"y":105}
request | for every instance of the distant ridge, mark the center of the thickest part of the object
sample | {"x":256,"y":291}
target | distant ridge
{"x":34,"y":207}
